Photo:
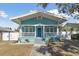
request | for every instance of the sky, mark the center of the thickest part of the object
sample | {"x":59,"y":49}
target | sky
{"x":8,"y":10}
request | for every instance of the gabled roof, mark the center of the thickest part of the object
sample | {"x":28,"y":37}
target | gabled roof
{"x":20,"y":18}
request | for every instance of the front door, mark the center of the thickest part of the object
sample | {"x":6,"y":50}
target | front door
{"x":39,"y":31}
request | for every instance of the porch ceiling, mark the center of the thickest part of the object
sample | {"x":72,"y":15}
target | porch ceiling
{"x":18,"y":19}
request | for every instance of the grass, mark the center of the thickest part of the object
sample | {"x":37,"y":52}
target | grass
{"x":7,"y":49}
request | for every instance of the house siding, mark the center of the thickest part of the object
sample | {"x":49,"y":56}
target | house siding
{"x":45,"y":21}
{"x":34,"y":21}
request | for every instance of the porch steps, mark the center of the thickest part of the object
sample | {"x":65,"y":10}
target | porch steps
{"x":39,"y":41}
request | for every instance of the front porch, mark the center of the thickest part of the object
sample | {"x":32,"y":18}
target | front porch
{"x":38,"y":32}
{"x":38,"y":25}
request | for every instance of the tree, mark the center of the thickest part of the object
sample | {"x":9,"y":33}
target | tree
{"x":44,"y":5}
{"x":67,"y":8}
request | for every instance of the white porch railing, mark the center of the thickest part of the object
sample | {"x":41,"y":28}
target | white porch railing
{"x":50,"y":33}
{"x":33,"y":34}
{"x":28,"y":34}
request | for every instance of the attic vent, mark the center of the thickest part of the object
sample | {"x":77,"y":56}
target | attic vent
{"x":39,"y":17}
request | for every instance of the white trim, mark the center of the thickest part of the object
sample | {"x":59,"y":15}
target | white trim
{"x":20,"y":31}
{"x":35,"y":31}
{"x":41,"y":25}
{"x":43,"y":31}
{"x":44,"y":14}
{"x":28,"y":14}
{"x":58,"y":29}
{"x":28,"y":33}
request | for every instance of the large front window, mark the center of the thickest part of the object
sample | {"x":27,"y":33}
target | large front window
{"x":28,"y":30}
{"x":50,"y":29}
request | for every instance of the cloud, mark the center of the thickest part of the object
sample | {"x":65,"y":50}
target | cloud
{"x":55,"y":11}
{"x":3,"y":14}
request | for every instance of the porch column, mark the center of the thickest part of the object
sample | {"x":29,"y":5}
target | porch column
{"x":57,"y":30}
{"x":35,"y":31}
{"x":20,"y":31}
{"x":43,"y":31}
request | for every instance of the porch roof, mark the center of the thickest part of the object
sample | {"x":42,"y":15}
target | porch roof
{"x":75,"y":26}
{"x":20,"y":18}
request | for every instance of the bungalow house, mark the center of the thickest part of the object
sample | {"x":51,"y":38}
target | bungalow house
{"x":38,"y":26}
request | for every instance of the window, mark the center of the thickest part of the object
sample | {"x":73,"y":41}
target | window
{"x":49,"y":29}
{"x":28,"y":29}
{"x":46,"y":29}
{"x":39,"y":17}
{"x":55,"y":29}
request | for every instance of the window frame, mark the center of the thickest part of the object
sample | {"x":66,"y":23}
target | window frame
{"x":49,"y":29}
{"x":28,"y":28}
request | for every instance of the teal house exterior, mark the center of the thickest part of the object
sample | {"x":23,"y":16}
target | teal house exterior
{"x":38,"y":26}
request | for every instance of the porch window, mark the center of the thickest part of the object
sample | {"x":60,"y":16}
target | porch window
{"x":49,"y":29}
{"x":55,"y":29}
{"x":46,"y":29}
{"x":28,"y":29}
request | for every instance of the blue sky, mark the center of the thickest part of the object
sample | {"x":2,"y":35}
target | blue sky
{"x":14,"y":9}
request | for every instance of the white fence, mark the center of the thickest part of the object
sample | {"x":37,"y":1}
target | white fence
{"x":13,"y":36}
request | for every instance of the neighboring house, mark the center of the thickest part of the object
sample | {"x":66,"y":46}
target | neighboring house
{"x":38,"y":26}
{"x":6,"y":34}
{"x":2,"y":30}
{"x":75,"y":27}
{"x":12,"y":36}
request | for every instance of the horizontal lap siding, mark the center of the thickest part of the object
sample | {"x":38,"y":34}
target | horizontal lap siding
{"x":33,"y":21}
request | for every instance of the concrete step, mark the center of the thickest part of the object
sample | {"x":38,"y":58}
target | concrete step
{"x":39,"y":41}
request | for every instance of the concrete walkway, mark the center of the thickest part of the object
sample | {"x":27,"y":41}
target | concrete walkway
{"x":35,"y":51}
